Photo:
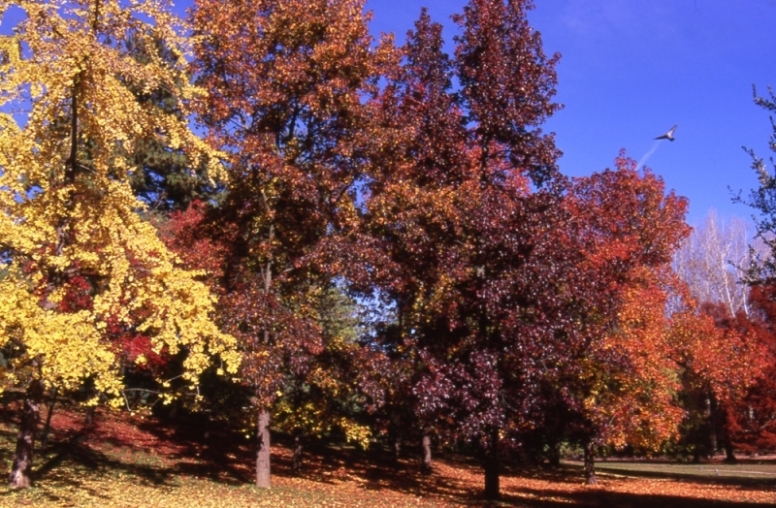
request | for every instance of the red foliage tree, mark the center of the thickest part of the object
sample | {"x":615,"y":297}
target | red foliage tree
{"x":286,"y":82}
{"x":419,"y":165}
{"x":749,"y":423}
{"x":721,"y":356}
{"x":485,"y":280}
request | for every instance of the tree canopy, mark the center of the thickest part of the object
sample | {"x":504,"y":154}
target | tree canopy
{"x":347,"y":239}
{"x":71,"y":223}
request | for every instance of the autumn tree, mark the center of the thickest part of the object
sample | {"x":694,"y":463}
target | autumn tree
{"x":748,"y":421}
{"x":713,"y":263}
{"x":467,"y":203}
{"x":641,"y":357}
{"x":721,"y":357}
{"x":749,"y":424}
{"x":287,"y":82}
{"x":419,"y":160}
{"x":629,"y":229}
{"x":505,"y":273}
{"x":333,"y":396}
{"x":70,"y":220}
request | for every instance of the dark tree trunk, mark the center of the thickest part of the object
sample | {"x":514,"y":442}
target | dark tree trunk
{"x":553,"y":455}
{"x":25,"y":441}
{"x":711,"y":411}
{"x":720,"y":422}
{"x":492,"y":469}
{"x":590,"y":478}
{"x":425,"y":465}
{"x":396,"y":449}
{"x":727,"y":444}
{"x":298,"y":451}
{"x":713,"y":440}
{"x":730,"y":457}
{"x":47,"y":425}
{"x":262,"y":454}
{"x":90,"y":417}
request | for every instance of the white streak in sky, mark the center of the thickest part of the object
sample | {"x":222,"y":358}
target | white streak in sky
{"x":647,"y":155}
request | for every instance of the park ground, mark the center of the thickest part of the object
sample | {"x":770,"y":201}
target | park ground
{"x":139,"y":461}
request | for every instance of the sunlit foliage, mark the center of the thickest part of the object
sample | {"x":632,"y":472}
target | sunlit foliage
{"x":70,"y":221}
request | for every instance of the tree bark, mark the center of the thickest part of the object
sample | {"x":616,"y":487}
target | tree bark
{"x":90,"y":417}
{"x":730,"y":456}
{"x":298,"y":450}
{"x":396,"y":449}
{"x":590,"y":478}
{"x":25,"y":442}
{"x":49,"y":414}
{"x":425,"y":465}
{"x":262,"y":454}
{"x":727,"y":443}
{"x":553,"y":455}
{"x":711,"y":411}
{"x":492,"y":469}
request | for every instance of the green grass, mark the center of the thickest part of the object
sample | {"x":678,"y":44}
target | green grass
{"x":746,"y":469}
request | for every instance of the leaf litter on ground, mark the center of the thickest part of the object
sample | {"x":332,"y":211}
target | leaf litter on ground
{"x":139,"y":461}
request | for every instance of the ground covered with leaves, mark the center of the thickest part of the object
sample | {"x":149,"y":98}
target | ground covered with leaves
{"x":138,"y":461}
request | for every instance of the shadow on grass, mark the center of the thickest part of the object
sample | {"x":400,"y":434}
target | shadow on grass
{"x":533,"y":498}
{"x":229,"y":458}
{"x":71,"y":451}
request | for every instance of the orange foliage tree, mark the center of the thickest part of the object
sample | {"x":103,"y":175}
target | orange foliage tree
{"x":625,"y":394}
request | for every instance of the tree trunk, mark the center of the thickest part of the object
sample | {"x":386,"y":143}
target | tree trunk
{"x":730,"y":456}
{"x":590,"y":478}
{"x":262,"y":454}
{"x":298,"y":450}
{"x":492,"y":469}
{"x":712,"y":416}
{"x":25,"y":441}
{"x":396,"y":449}
{"x":727,"y":443}
{"x":425,"y":465}
{"x":49,"y":414}
{"x":553,"y":455}
{"x":90,"y":417}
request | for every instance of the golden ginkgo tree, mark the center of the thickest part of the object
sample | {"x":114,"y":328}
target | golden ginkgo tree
{"x":77,"y":258}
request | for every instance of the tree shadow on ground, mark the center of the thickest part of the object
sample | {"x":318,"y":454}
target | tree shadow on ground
{"x":531,"y":498}
{"x":198,"y":447}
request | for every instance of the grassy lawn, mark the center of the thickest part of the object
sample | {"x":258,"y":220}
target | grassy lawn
{"x":759,"y":471}
{"x":138,"y":462}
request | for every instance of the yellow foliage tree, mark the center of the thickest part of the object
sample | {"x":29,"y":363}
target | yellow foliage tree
{"x":70,"y":119}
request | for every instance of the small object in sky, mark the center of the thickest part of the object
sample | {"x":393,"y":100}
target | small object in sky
{"x":668,"y":135}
